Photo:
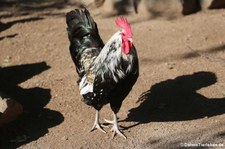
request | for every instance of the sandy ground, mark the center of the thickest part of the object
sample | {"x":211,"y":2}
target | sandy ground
{"x":180,"y":90}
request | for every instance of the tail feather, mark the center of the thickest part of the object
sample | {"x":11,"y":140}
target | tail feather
{"x":80,"y":23}
{"x":83,"y":34}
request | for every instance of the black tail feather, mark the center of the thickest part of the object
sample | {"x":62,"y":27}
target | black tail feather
{"x":83,"y":34}
{"x":80,"y":24}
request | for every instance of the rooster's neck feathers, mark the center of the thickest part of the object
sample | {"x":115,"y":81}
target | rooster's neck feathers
{"x":108,"y":64}
{"x":110,"y":60}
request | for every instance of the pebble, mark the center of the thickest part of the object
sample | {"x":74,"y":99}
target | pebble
{"x":64,"y":138}
{"x":10,"y":109}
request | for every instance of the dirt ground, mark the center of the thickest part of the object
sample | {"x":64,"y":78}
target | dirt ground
{"x":181,"y":87}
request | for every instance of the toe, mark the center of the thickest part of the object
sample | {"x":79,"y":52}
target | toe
{"x":117,"y":131}
{"x":108,"y":121}
{"x":97,"y":126}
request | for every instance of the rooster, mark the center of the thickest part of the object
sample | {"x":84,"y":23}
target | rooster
{"x":107,"y":72}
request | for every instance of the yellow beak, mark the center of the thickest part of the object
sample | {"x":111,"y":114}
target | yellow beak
{"x":130,"y":39}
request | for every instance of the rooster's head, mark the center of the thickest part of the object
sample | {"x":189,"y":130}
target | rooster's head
{"x":126,"y":34}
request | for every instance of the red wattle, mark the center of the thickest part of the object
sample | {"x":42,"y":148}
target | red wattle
{"x":126,"y":47}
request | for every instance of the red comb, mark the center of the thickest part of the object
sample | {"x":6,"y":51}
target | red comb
{"x":123,"y":24}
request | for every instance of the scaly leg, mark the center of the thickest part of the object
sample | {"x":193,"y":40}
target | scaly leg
{"x":96,"y":123}
{"x":115,"y":128}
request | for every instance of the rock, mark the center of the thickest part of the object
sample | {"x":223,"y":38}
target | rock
{"x":3,"y":105}
{"x":217,"y":4}
{"x":191,"y":6}
{"x":9,"y":110}
{"x":64,"y":138}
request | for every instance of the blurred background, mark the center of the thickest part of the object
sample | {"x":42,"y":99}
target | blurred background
{"x":107,"y":7}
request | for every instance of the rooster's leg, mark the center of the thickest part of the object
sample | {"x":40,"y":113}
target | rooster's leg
{"x":115,"y":128}
{"x":96,"y":123}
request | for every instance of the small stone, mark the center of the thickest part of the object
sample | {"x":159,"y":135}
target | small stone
{"x":171,"y":67}
{"x":64,"y":138}
{"x":9,"y":110}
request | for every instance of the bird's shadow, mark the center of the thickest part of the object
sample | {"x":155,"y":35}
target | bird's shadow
{"x":35,"y":119}
{"x":8,"y":36}
{"x":177,"y":100}
{"x":5,"y":26}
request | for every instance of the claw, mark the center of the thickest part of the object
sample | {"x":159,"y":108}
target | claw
{"x":104,"y":126}
{"x":115,"y":131}
{"x":108,"y":121}
{"x":97,"y":125}
{"x":115,"y":128}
